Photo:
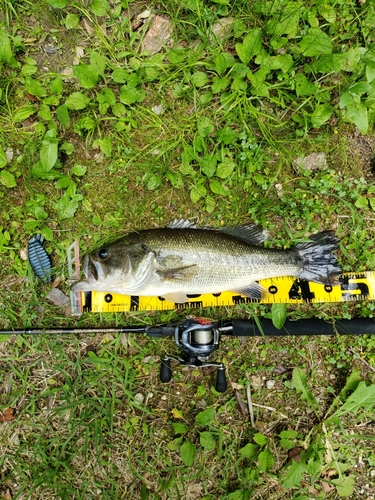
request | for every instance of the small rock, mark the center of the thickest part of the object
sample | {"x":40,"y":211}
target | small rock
{"x":314,"y":161}
{"x":23,"y":254}
{"x":139,"y":398}
{"x":159,"y":33}
{"x":279,"y":370}
{"x":144,"y":15}
{"x":222,"y":28}
{"x":158,"y":109}
{"x":270,"y":384}
{"x":57,"y":297}
{"x":256,"y":382}
{"x":9,"y":154}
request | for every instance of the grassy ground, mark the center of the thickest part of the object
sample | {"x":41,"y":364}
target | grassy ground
{"x":99,"y":137}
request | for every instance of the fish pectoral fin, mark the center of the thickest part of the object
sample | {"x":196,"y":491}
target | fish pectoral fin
{"x":253,"y":290}
{"x":176,"y":297}
{"x":177,"y":273}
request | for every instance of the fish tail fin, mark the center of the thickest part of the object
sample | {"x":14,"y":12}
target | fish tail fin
{"x":319,"y":264}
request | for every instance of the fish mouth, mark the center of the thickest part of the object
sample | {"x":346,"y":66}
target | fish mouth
{"x":94,"y":270}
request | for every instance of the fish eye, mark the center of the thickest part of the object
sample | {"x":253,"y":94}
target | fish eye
{"x":103,"y":253}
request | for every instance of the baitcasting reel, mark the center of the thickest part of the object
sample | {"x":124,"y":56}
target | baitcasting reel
{"x":196,"y":338}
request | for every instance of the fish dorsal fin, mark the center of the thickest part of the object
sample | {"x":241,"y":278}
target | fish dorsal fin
{"x":253,"y":234}
{"x":182,"y":224}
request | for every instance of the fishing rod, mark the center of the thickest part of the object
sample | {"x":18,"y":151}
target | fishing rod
{"x":198,"y":338}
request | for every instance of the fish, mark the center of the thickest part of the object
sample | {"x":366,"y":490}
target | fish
{"x":183,"y":259}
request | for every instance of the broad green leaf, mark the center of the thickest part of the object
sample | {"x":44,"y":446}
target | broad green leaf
{"x":24,"y":112}
{"x":120,"y":75}
{"x":64,"y":182}
{"x":188,"y":451}
{"x":87,"y":75}
{"x":85,"y":123}
{"x":328,"y":12}
{"x":98,"y":62}
{"x":300,"y":384}
{"x":131,"y":95}
{"x":221,"y":64}
{"x":321,"y":114}
{"x":66,"y":207}
{"x":362,"y":397}
{"x":7,"y":179}
{"x":177,"y":55}
{"x":38,"y":172}
{"x":260,"y":439}
{"x":153,"y":182}
{"x":207,"y":441}
{"x":240,"y":495}
{"x":265,"y":460}
{"x":179,"y":428}
{"x":250,"y":450}
{"x":199,"y":79}
{"x":344,"y":485}
{"x":5,"y":47}
{"x":62,"y":114}
{"x":99,"y":7}
{"x":175,"y":444}
{"x":208,"y":165}
{"x":34,"y":87}
{"x":357,"y":113}
{"x":56,"y":85}
{"x":219,"y":84}
{"x":197,"y":192}
{"x":77,"y":101}
{"x":105,"y":145}
{"x":294,"y":475}
{"x":3,"y":158}
{"x":44,"y":112}
{"x":40,"y":213}
{"x":316,"y":43}
{"x":48,"y":154}
{"x":355,"y":377}
{"x":289,"y":434}
{"x":71,"y":21}
{"x":57,"y":4}
{"x":278,"y":314}
{"x":218,"y":188}
{"x":370,"y":71}
{"x":204,"y":126}
{"x":205,"y":417}
{"x":285,"y":22}
{"x":79,"y":170}
{"x":303,"y":86}
{"x":251,"y":46}
{"x":226,"y":135}
{"x":225,"y":169}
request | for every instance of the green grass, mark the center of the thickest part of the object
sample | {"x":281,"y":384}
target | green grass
{"x":98,"y":138}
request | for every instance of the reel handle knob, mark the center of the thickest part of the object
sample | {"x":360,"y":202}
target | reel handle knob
{"x":221,"y":381}
{"x":165,"y":370}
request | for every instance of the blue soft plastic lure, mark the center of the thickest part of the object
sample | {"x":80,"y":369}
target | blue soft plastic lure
{"x":39,"y":259}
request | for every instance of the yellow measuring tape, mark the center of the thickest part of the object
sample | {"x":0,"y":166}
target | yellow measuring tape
{"x":289,"y":290}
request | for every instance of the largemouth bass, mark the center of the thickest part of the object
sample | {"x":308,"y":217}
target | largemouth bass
{"x":182,"y":259}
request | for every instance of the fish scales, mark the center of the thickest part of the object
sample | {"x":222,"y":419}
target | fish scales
{"x":174,"y":262}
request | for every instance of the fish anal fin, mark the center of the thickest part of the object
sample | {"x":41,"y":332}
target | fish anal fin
{"x":176,"y":297}
{"x":252,"y":290}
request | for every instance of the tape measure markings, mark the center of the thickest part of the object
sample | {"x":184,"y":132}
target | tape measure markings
{"x":353,"y":287}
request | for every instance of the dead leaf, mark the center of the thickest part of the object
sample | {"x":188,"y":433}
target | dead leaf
{"x":326,"y":487}
{"x":240,"y":404}
{"x":295,"y":454}
{"x":7,"y":415}
{"x":7,"y":495}
{"x":57,"y":297}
